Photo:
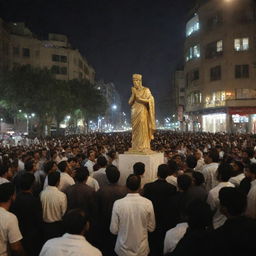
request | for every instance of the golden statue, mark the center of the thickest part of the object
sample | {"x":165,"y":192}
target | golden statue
{"x":142,"y":117}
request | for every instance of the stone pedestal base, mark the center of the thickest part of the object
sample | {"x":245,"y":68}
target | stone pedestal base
{"x":151,"y":162}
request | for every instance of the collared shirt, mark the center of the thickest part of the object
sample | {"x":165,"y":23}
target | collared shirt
{"x":132,"y":217}
{"x":172,"y":180}
{"x":93,"y":183}
{"x":251,"y":201}
{"x":69,"y":245}
{"x":173,"y":236}
{"x":209,"y":172}
{"x":3,"y":180}
{"x":200,"y":165}
{"x":9,"y":230}
{"x":213,"y":200}
{"x":65,"y":181}
{"x":89,"y":164}
{"x":54,"y":203}
{"x":237,"y":179}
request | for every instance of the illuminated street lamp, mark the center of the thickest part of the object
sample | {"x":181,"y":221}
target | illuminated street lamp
{"x":114,"y":107}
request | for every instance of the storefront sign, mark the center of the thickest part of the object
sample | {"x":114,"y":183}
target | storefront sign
{"x":242,"y":111}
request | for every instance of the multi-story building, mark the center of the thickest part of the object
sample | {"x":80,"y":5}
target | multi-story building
{"x":4,"y":46}
{"x":56,"y":54}
{"x":220,"y":66}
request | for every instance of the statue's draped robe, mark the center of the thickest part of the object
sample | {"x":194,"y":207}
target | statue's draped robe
{"x":143,"y":121}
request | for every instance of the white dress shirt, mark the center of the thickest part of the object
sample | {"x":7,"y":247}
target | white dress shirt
{"x":3,"y":180}
{"x":200,"y":165}
{"x":93,"y":183}
{"x":237,"y":179}
{"x":213,"y":200}
{"x":132,"y":217}
{"x":172,"y":180}
{"x":89,"y":164}
{"x":173,"y":236}
{"x":9,"y":230}
{"x":54,"y":203}
{"x":65,"y":181}
{"x":69,"y":245}
{"x":209,"y":172}
{"x":251,"y":201}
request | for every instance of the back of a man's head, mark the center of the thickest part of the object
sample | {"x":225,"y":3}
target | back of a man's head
{"x":53,"y":178}
{"x":113,"y":174}
{"x":81,"y":174}
{"x":233,"y":201}
{"x":184,"y":182}
{"x":29,"y":165}
{"x":214,"y":156}
{"x":3,"y":169}
{"x":75,"y":221}
{"x":138,"y":168}
{"x":26,"y":181}
{"x":102,"y":161}
{"x":7,"y":190}
{"x":48,"y":166}
{"x":173,"y":167}
{"x":191,"y":162}
{"x":163,"y":171}
{"x":198,"y":178}
{"x":62,"y":166}
{"x":133,"y":182}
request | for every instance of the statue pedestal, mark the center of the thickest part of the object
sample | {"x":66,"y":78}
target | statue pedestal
{"x":152,"y":161}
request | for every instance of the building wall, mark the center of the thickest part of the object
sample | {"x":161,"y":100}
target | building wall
{"x":4,"y":46}
{"x":225,"y":21}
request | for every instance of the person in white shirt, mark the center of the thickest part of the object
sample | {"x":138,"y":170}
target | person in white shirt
{"x":10,"y":235}
{"x":251,"y":197}
{"x":5,"y":174}
{"x":49,"y":167}
{"x":224,"y":173}
{"x":200,"y":161}
{"x":73,"y":242}
{"x":238,"y":173}
{"x":209,"y":170}
{"x":65,"y":177}
{"x":173,"y":169}
{"x":100,"y":175}
{"x":54,"y":203}
{"x":91,"y":161}
{"x":132,"y":218}
{"x":173,"y":236}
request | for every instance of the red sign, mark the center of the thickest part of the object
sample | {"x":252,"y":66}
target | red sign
{"x":242,"y":111}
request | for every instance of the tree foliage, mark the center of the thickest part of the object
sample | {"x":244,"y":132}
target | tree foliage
{"x":35,"y":90}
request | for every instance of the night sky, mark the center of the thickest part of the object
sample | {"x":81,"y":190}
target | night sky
{"x":118,"y":37}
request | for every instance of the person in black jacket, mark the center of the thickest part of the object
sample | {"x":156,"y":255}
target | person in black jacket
{"x":160,"y":193}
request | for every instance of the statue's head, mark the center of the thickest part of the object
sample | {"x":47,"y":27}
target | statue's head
{"x":137,"y":80}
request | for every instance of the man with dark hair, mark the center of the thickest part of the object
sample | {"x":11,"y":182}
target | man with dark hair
{"x":100,"y":175}
{"x":65,"y":176}
{"x":209,"y":170}
{"x":251,"y":197}
{"x":5,"y":173}
{"x":106,"y":196}
{"x":76,"y":223}
{"x":9,"y":227}
{"x":28,"y":210}
{"x":131,"y":230}
{"x":237,"y":235}
{"x":81,"y":195}
{"x":173,"y":173}
{"x":54,"y":204}
{"x":91,"y":161}
{"x":139,"y":169}
{"x":160,"y":193}
{"x":224,"y":173}
{"x":191,"y":163}
{"x":49,"y":167}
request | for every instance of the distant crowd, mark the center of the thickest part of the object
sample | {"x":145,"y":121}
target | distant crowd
{"x":62,"y":196}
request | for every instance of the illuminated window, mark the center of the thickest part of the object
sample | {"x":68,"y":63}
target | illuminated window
{"x":214,"y":49}
{"x":192,"y":26}
{"x":193,"y":52}
{"x":219,"y":46}
{"x":241,"y":44}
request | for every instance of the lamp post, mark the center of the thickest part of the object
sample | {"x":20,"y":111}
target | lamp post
{"x":114,"y":108}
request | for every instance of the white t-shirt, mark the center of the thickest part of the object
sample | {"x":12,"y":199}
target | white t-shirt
{"x":9,"y":230}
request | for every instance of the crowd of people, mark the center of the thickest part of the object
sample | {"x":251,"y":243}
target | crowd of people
{"x":62,"y":196}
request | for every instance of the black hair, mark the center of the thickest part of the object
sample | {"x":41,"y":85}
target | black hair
{"x":224,"y":172}
{"x":198,"y":178}
{"x":48,"y":166}
{"x":113,"y":174}
{"x":184,"y":182}
{"x":62,"y":166}
{"x":133,"y":182}
{"x":214,"y":155}
{"x":53,"y":178}
{"x":173,"y":167}
{"x":26,"y":181}
{"x":81,"y":174}
{"x":4,"y":169}
{"x":191,"y":162}
{"x":139,"y":168}
{"x":75,"y":221}
{"x":7,"y":190}
{"x":102,"y":161}
{"x":29,"y":165}
{"x":163,"y":171}
{"x":252,"y":168}
{"x":234,"y":200}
